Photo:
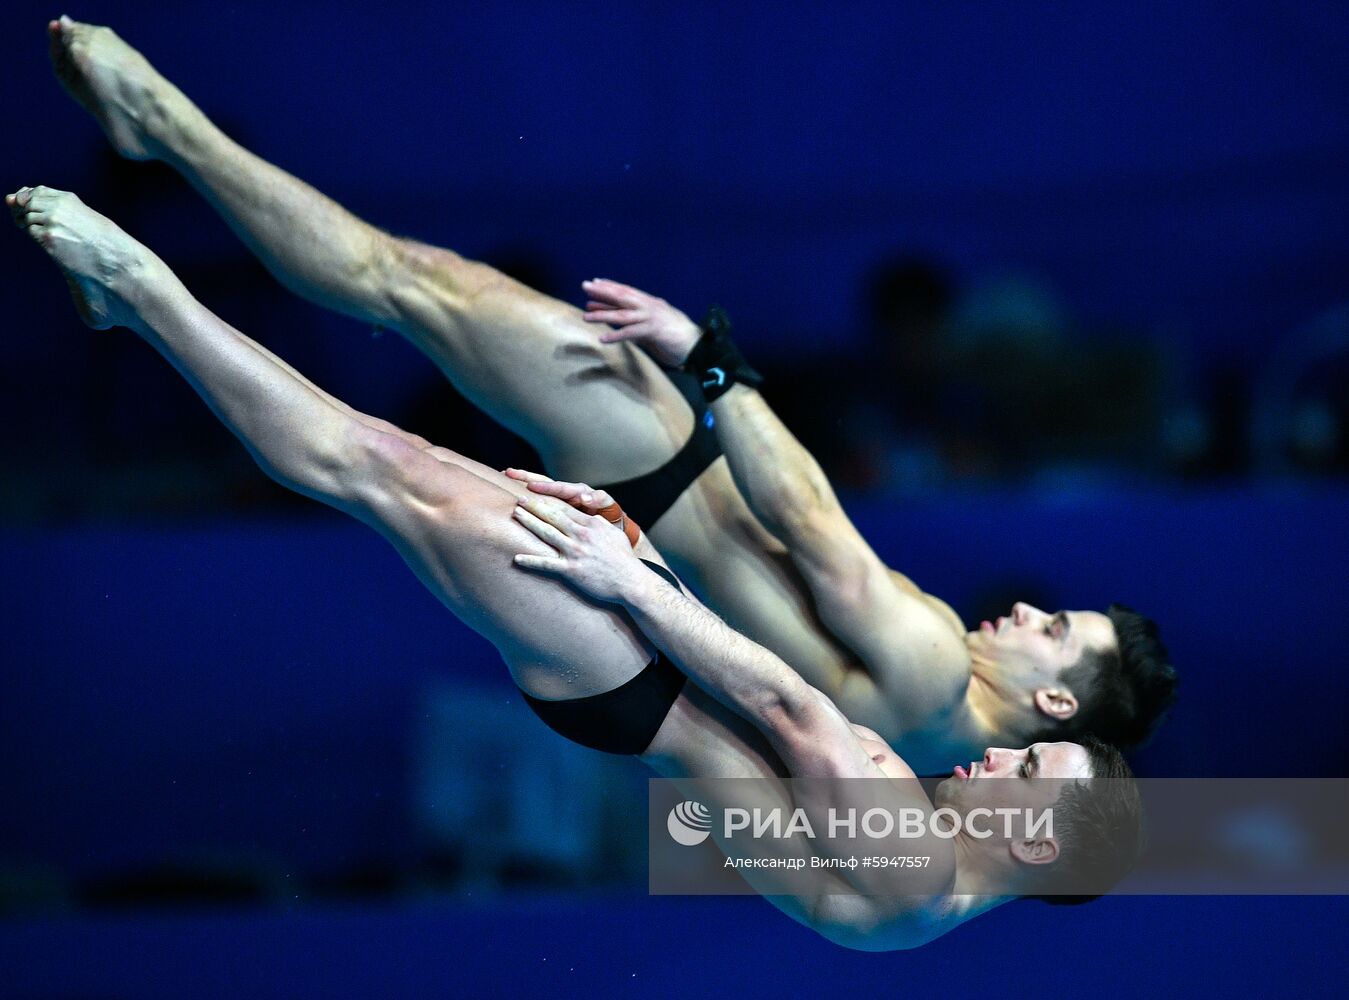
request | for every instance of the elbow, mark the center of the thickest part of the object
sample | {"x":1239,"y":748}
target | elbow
{"x":855,"y":923}
{"x":798,"y":719}
{"x":786,"y":708}
{"x":783,"y":516}
{"x":796,"y":514}
{"x":773,"y":712}
{"x":850,"y":922}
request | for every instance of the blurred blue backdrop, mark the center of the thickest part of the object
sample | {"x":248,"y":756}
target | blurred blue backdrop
{"x":202,"y":674}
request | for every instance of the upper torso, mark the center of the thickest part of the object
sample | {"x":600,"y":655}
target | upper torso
{"x":703,"y":740}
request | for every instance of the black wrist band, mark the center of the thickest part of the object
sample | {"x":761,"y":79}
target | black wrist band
{"x":716,"y":361}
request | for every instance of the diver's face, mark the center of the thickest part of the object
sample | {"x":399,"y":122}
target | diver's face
{"x":1007,"y":779}
{"x":1028,"y":649}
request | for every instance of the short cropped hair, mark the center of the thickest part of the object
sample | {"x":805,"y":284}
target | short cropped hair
{"x":1099,"y":826}
{"x":1122,"y":693}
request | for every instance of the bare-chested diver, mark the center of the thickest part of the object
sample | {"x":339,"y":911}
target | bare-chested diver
{"x":582,"y":650}
{"x":757,"y":531}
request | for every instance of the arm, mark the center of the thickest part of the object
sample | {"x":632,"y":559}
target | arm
{"x":804,"y":727}
{"x":780,"y":479}
{"x":875,"y":909}
{"x":879,"y":615}
{"x":874,"y":610}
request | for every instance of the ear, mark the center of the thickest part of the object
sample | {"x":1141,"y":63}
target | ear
{"x":1035,"y":852}
{"x":1057,"y":703}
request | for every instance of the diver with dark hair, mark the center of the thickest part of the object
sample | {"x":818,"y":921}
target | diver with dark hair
{"x":609,"y":648}
{"x":670,"y":418}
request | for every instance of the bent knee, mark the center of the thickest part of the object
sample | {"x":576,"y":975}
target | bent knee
{"x":419,"y":276}
{"x":383,"y":470}
{"x":428,"y":285}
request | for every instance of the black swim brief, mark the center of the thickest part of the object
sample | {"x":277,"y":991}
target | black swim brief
{"x":647,"y":497}
{"x":626,"y":719}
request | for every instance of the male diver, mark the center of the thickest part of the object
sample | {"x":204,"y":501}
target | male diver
{"x":739,"y":507}
{"x":604,"y":654}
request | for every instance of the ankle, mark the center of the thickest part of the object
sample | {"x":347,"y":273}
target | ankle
{"x":174,"y":129}
{"x":148,"y":287}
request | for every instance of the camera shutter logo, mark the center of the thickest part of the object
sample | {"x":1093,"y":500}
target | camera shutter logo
{"x":689,"y":823}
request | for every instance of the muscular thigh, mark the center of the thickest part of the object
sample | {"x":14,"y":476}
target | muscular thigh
{"x":454,"y":528}
{"x":595,"y":412}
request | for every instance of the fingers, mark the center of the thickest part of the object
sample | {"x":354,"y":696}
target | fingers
{"x":542,"y":564}
{"x":616,"y":317}
{"x":591,"y":499}
{"x":543,"y":485}
{"x":543,"y":529}
{"x":612,"y":292}
{"x":556,"y":512}
{"x":626,"y":333}
{"x":554,"y":488}
{"x":635,"y":332}
{"x":525,"y":476}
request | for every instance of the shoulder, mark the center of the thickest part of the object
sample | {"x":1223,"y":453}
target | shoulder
{"x":821,"y":741}
{"x":917,"y":657}
{"x":935,"y":604}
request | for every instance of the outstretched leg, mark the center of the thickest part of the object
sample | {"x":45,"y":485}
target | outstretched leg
{"x":450,"y":518}
{"x":599,"y":413}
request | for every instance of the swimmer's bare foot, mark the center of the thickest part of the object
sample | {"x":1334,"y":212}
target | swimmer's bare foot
{"x":116,"y":84}
{"x":105,"y":268}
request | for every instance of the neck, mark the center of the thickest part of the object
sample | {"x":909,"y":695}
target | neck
{"x":988,"y":718}
{"x":976,"y":890}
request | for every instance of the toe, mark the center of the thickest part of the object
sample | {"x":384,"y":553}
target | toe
{"x":19,"y":208}
{"x":72,"y":33}
{"x":58,"y":51}
{"x":43,"y":198}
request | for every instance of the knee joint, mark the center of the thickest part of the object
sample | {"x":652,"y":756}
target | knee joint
{"x":384,"y":467}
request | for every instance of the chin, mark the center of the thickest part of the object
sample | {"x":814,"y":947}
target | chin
{"x":945,"y":792}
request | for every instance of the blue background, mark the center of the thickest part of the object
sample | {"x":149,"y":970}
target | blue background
{"x":249,"y":682}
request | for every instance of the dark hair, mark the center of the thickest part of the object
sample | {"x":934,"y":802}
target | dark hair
{"x":1122,"y":693}
{"x":1099,"y":826}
